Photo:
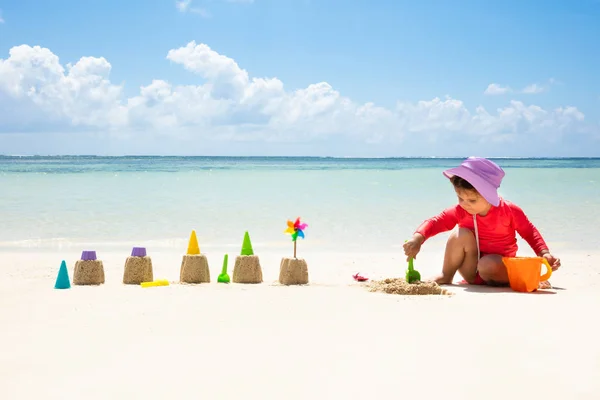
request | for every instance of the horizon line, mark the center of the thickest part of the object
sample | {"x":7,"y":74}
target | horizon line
{"x":297,"y":156}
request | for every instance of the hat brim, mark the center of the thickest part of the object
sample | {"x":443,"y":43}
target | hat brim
{"x":487,"y":191}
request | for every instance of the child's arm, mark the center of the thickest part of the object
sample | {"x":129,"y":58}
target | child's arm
{"x":528,"y":231}
{"x":443,"y":222}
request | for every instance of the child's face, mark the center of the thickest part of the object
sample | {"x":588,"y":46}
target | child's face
{"x":472,"y":202}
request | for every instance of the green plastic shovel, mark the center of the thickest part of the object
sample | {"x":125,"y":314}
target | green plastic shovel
{"x":412,"y":275}
{"x":223,"y":277}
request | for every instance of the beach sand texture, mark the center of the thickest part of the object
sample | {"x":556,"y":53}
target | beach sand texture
{"x":293,"y":271}
{"x":194,"y":269}
{"x":247,"y":269}
{"x":88,"y":272}
{"x":401,"y":287}
{"x":138,"y":270}
{"x":334,"y":336}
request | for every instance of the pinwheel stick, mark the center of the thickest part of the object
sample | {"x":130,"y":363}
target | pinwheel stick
{"x":296,"y":230}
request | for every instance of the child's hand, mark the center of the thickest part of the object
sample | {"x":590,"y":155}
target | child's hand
{"x":553,"y":261}
{"x":413,"y":246}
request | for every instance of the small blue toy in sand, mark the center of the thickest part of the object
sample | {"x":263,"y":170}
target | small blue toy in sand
{"x":62,"y":280}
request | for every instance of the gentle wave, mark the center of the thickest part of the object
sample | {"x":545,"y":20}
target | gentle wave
{"x":349,"y":204}
{"x":177,"y":164}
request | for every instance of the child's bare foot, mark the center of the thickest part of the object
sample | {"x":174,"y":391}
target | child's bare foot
{"x":441,"y":280}
{"x":545,"y":285}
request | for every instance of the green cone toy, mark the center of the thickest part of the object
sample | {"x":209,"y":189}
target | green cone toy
{"x":247,"y":246}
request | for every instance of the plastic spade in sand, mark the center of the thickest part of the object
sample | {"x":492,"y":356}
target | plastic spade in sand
{"x":159,"y":282}
{"x":223,"y":277}
{"x":412,"y":275}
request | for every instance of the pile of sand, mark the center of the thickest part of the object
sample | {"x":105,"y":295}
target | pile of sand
{"x":88,"y":272}
{"x":138,"y":270}
{"x":247,"y":269}
{"x":293,"y":271}
{"x":194,"y":269}
{"x":400,"y":286}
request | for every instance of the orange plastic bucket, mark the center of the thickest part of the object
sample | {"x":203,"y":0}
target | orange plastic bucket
{"x":524,"y":273}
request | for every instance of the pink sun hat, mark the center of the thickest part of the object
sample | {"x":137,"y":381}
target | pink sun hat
{"x":484,"y":175}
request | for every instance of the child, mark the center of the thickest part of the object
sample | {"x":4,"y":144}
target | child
{"x":486,"y":228}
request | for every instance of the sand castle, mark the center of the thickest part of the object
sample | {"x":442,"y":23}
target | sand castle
{"x":194,"y":266}
{"x":88,"y":270}
{"x":138,"y":267}
{"x":247,"y":267}
{"x":294,"y":271}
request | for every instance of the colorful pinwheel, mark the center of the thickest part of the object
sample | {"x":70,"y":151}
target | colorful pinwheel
{"x":296,"y":229}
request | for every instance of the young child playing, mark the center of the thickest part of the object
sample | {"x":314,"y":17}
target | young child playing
{"x":486,"y":228}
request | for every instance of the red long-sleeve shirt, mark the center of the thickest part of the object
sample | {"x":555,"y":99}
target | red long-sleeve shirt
{"x":497,"y":229}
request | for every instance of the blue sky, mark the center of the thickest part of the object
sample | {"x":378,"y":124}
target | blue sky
{"x":360,"y":78}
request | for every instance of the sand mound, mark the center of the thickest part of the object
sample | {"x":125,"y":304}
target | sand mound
{"x":88,"y":272}
{"x":138,"y":270}
{"x":194,"y":269}
{"x":400,"y":286}
{"x":293,"y":271}
{"x":247,"y":269}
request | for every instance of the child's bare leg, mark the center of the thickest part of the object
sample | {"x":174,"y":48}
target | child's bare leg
{"x":492,"y":270}
{"x":461,"y":256}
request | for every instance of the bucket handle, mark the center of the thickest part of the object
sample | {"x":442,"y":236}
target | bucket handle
{"x":548,"y":273}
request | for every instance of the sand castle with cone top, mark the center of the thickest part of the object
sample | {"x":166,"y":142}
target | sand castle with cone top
{"x":247,"y":267}
{"x":194,"y":266}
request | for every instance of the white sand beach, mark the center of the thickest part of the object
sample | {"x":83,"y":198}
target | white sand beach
{"x":330,"y":339}
{"x":329,"y":130}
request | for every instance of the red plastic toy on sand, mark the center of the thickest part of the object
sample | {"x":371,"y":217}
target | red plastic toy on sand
{"x":359,"y":278}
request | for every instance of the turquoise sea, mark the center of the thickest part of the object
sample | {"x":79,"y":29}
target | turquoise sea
{"x":350,"y":205}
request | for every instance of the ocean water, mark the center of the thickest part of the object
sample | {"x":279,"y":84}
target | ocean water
{"x":350,"y":205}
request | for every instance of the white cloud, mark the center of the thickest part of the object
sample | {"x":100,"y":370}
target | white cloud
{"x":185,"y":6}
{"x":80,"y":95}
{"x":496,"y":89}
{"x":38,"y":94}
{"x":534,"y":88}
